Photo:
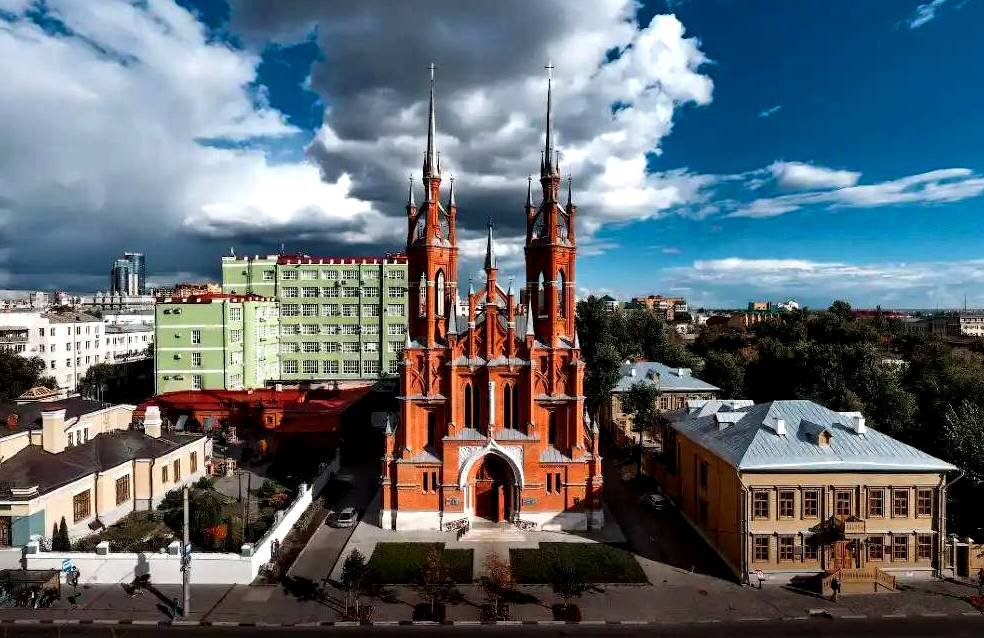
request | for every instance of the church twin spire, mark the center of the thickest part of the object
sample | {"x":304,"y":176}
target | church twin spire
{"x":432,"y":162}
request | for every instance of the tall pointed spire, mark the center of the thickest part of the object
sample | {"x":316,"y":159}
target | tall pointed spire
{"x":451,"y":194}
{"x":490,"y":251}
{"x":529,"y":191}
{"x":432,"y":167}
{"x":410,"y":202}
{"x":570,"y":191}
{"x":548,"y":163}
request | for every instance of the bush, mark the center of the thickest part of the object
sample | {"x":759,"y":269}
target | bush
{"x":59,"y":540}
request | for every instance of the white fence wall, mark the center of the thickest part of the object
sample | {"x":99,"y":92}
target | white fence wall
{"x":165,"y":568}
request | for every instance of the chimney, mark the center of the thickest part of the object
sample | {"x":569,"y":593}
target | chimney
{"x":859,"y":425}
{"x":53,"y":437}
{"x":781,"y":427}
{"x":152,"y":422}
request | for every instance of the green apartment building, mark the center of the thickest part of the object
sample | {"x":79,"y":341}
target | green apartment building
{"x":340,"y":317}
{"x":216,"y":342}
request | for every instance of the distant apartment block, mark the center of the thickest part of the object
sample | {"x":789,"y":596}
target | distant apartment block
{"x":340,"y":317}
{"x":128,"y":342}
{"x":216,"y":342}
{"x":68,"y":342}
{"x":666,"y":307}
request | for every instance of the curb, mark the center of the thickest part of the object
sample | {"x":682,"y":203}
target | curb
{"x":454,"y":623}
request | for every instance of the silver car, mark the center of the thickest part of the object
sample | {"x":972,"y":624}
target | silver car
{"x":347,"y":517}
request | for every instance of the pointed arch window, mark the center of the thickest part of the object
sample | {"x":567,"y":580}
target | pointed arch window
{"x":561,"y":293}
{"x":541,"y":297}
{"x":507,"y":406}
{"x":515,"y":405}
{"x":476,"y":409}
{"x":422,"y":295}
{"x":439,"y":294}
{"x":431,"y":428}
{"x":468,"y":406}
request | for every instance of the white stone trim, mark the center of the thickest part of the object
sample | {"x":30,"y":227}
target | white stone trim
{"x":469,"y":455}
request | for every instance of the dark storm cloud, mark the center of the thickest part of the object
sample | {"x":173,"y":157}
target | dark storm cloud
{"x":98,"y":156}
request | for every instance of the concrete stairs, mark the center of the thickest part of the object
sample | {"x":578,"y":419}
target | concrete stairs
{"x":489,"y":532}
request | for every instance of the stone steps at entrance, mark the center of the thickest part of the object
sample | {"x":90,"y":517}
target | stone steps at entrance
{"x":490,"y":532}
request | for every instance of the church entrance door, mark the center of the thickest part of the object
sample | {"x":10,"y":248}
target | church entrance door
{"x":493,"y":488}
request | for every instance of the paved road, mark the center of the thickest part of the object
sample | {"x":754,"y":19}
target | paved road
{"x":662,"y":537}
{"x":316,"y":560}
{"x":911,"y":628}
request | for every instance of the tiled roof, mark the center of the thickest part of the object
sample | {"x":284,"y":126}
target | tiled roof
{"x":746,"y":437}
{"x":669,"y":379}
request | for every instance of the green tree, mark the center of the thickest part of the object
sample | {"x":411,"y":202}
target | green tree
{"x":600,"y":333}
{"x":355,"y":570}
{"x":60,"y":542}
{"x":842,"y":310}
{"x":963,"y":432}
{"x":96,"y":380}
{"x":726,"y":371}
{"x":18,"y":375}
{"x":567,"y":582}
{"x":640,"y":402}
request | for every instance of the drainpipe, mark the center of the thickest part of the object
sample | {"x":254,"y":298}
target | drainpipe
{"x":941,"y":524}
{"x":743,"y":535}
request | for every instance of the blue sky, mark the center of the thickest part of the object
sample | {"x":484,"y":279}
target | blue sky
{"x":812,"y":150}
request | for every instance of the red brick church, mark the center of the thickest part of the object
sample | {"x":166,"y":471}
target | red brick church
{"x":492,"y":421}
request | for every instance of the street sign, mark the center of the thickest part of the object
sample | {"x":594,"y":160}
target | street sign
{"x":67,"y":565}
{"x":187,"y":549}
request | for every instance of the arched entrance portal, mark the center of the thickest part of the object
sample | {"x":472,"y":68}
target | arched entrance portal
{"x":493,"y":486}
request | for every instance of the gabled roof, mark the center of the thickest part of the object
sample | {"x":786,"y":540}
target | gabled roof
{"x":745,"y":436}
{"x":667,"y":378}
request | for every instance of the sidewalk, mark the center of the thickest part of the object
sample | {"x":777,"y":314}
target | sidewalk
{"x":686,"y":599}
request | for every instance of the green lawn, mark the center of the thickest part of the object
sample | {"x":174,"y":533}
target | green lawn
{"x":597,"y":563}
{"x":399,"y":563}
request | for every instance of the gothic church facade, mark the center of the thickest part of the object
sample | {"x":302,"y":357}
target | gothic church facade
{"x":492,"y":421}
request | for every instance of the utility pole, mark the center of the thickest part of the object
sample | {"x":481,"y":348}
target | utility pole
{"x":249,"y":487}
{"x":186,"y":562}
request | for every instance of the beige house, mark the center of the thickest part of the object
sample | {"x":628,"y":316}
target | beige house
{"x":677,"y":386}
{"x":790,"y":490}
{"x":80,"y":459}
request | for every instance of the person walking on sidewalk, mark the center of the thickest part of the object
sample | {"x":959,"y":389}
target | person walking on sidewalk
{"x":980,"y":582}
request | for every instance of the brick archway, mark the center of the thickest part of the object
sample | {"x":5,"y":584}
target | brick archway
{"x":493,"y":488}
